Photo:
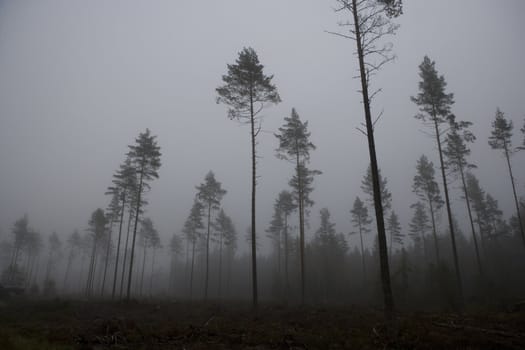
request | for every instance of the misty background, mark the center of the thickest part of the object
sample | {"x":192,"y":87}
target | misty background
{"x":80,"y":79}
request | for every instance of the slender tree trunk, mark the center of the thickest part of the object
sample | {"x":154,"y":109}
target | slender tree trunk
{"x":434,"y":231}
{"x":449,"y":213}
{"x":514,"y":193}
{"x":207,"y":254}
{"x":106,"y":263}
{"x":125,"y":254}
{"x":152,"y":270}
{"x":220,"y":266}
{"x":383,"y":253}
{"x":137,"y":213}
{"x":118,"y":246}
{"x":192,"y":265}
{"x":143,"y":267}
{"x":467,"y":200}
{"x":286,"y":279}
{"x":187,"y":266}
{"x":254,"y":183}
{"x":362,"y":252}
{"x":89,"y":285}
{"x":68,"y":267}
{"x":301,"y":222}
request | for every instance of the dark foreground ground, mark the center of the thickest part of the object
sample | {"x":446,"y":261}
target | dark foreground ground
{"x":170,"y":325}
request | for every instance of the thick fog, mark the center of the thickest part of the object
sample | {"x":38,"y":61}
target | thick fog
{"x":81,"y":79}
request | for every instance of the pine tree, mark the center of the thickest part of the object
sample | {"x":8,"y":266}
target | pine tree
{"x":394,"y":228}
{"x":479,"y":205}
{"x":456,"y":152}
{"x":361,"y":220}
{"x":210,"y":194}
{"x":367,"y":186}
{"x":124,"y":187}
{"x":192,"y":230}
{"x":295,"y":147}
{"x":419,"y":225}
{"x":97,"y":229}
{"x":145,"y":158}
{"x":426,"y":187}
{"x":246,"y":90}
{"x":371,"y":22}
{"x":176,"y":249}
{"x":148,"y":234}
{"x":74,"y":243}
{"x":224,"y":228}
{"x":434,"y":104}
{"x":500,"y":139}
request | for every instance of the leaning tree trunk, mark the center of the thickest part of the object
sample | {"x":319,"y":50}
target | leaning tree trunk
{"x":514,"y":193}
{"x":118,"y":246}
{"x":449,"y":213}
{"x":108,"y":249}
{"x":137,"y":213}
{"x":254,"y":183}
{"x":434,"y":231}
{"x":125,"y":254}
{"x":467,"y":200}
{"x":383,"y":253}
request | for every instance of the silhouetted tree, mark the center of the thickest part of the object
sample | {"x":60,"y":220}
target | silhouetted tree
{"x":124,"y":186}
{"x":210,"y":194}
{"x":295,"y":147}
{"x":362,"y":222}
{"x":192,"y":227}
{"x":394,"y":228}
{"x":331,"y":248}
{"x":74,"y":243}
{"x":176,"y":248}
{"x":371,"y":23}
{"x":246,"y":90}
{"x":435,"y":103}
{"x":20,"y":232}
{"x":500,"y":139}
{"x":223,"y":227}
{"x":155,"y":244}
{"x":426,"y":187}
{"x":54,"y":253}
{"x":145,"y":158}
{"x":367,"y":186}
{"x":456,"y":152}
{"x":419,"y":225}
{"x":97,"y":228}
{"x":148,"y":234}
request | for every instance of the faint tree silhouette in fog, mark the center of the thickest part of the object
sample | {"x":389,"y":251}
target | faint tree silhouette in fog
{"x":435,"y":104}
{"x":223,"y":229}
{"x":426,"y":187}
{"x":419,"y":226}
{"x":74,"y":242}
{"x":145,"y":159}
{"x":192,"y":230}
{"x":456,"y":152}
{"x":97,"y":228}
{"x":247,"y":90}
{"x":362,"y":222}
{"x":210,"y":194}
{"x":295,"y":147}
{"x":500,"y":139}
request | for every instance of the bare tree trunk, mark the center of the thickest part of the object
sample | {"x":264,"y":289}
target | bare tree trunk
{"x":207,"y":254}
{"x":106,"y":262}
{"x":254,"y":183}
{"x":286,"y":278}
{"x":118,"y":246}
{"x":143,"y":267}
{"x":125,"y":255}
{"x":220,"y":266}
{"x":383,"y":253}
{"x":434,"y":231}
{"x":514,"y":193}
{"x":152,"y":270}
{"x":68,"y":267}
{"x":301,"y":223}
{"x":192,"y":265}
{"x":137,"y":214}
{"x":467,"y":200}
{"x":449,"y":213}
{"x":362,"y":252}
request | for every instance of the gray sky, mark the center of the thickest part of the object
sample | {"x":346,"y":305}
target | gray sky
{"x":80,"y":80}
